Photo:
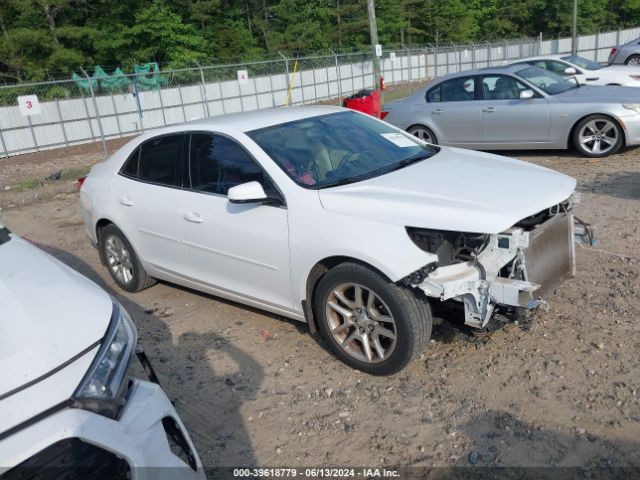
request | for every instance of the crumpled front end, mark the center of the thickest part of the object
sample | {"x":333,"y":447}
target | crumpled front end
{"x":515,"y":268}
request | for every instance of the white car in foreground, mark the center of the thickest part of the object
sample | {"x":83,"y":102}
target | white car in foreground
{"x":332,"y":217}
{"x":585,"y":70}
{"x":68,"y":408}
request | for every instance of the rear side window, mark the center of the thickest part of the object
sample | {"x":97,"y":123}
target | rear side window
{"x":459,"y":89}
{"x":435,"y":94}
{"x":160,"y":160}
{"x":217,"y":163}
{"x":130,"y":168}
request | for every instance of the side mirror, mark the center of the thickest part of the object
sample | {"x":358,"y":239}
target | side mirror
{"x":527,"y":94}
{"x":250,"y":192}
{"x":570,"y":71}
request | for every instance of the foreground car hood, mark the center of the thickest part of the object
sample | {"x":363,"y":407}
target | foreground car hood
{"x":50,"y":313}
{"x":458,"y":190}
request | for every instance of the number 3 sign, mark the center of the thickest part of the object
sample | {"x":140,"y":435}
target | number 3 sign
{"x":29,"y":105}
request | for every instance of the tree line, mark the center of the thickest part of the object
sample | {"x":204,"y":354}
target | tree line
{"x":42,"y":39}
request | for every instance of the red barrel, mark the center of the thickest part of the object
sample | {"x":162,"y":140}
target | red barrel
{"x":365,"y":101}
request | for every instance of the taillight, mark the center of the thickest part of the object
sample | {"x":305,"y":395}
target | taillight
{"x":613,"y":51}
{"x":383,"y":114}
{"x":81,"y":182}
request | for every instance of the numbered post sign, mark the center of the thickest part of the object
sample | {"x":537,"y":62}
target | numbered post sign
{"x":29,"y":105}
{"x":378,"y":50}
{"x":243,"y":77}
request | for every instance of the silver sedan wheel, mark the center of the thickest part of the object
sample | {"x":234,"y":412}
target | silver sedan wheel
{"x":634,"y":61}
{"x":423,"y":134}
{"x":118,"y":259}
{"x":598,"y":136}
{"x":361,"y":323}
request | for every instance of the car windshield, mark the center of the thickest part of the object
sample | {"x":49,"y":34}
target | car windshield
{"x":547,"y":81}
{"x":582,"y":62}
{"x":339,"y":148}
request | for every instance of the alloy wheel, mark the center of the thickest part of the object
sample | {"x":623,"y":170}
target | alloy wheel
{"x":598,"y":136}
{"x":118,"y":259}
{"x":361,"y":323}
{"x":634,"y":61}
{"x":423,"y":134}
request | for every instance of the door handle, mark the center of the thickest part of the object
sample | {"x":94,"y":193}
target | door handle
{"x":437,"y":111}
{"x":489,"y":109}
{"x":193,"y":217}
{"x":126,"y":201}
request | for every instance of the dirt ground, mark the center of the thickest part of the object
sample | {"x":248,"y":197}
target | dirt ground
{"x":256,"y":389}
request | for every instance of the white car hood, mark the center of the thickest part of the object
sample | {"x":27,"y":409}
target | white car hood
{"x":456,"y":190}
{"x":49,"y":314}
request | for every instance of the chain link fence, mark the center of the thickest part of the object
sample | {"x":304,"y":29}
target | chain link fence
{"x":89,"y":110}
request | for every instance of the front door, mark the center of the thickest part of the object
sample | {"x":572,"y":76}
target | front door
{"x":238,"y":248}
{"x":508,"y":119}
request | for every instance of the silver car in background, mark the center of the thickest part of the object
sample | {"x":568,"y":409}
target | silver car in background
{"x":520,"y":107}
{"x":627,"y":54}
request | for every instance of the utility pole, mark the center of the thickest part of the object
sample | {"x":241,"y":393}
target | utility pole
{"x":373,"y":29}
{"x":574,"y":38}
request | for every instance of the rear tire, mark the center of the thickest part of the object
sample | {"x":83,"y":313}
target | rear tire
{"x":423,"y":133}
{"x":121,"y":260}
{"x":371,"y":324}
{"x":633,"y":60}
{"x":597,"y":136}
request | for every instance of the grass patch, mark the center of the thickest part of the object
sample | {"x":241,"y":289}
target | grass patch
{"x":67,"y":175}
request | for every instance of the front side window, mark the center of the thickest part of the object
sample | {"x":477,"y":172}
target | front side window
{"x":459,"y":89}
{"x":218,"y":163}
{"x":160,"y":160}
{"x":338,"y":148}
{"x":549,"y":82}
{"x":501,"y":87}
{"x":556,"y":67}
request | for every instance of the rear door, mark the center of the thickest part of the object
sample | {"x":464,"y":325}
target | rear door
{"x":147,"y":192}
{"x":508,"y":119}
{"x":455,"y":111}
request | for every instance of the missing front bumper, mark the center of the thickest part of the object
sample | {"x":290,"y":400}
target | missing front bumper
{"x":516,"y":269}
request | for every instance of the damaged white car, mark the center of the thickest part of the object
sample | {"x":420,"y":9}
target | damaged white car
{"x":335,"y":218}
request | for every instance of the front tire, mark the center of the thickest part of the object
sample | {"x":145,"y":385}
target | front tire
{"x":423,"y":133}
{"x":371,"y":324}
{"x":121,"y":260}
{"x":633,"y":61}
{"x":597,"y":136}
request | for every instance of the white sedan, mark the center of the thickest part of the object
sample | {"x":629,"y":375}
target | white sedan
{"x":335,"y":218}
{"x":586,"y":71}
{"x":68,"y":406}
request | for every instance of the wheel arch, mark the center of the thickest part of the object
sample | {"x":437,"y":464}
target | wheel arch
{"x":608,"y":115}
{"x":315,"y":275}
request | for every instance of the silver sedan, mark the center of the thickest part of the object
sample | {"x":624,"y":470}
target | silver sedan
{"x":627,"y":54}
{"x":520,"y":107}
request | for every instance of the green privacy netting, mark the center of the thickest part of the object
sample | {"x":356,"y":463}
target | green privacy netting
{"x":147,"y":77}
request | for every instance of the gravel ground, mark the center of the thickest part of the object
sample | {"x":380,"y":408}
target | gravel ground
{"x":256,"y":389}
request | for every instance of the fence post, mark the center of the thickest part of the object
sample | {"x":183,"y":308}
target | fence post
{"x":408,"y":63}
{"x":4,"y":145}
{"x":64,"y":133}
{"x":95,"y":106}
{"x":435,"y":61}
{"x":489,"y":48}
{"x":597,"y":54}
{"x":473,"y":56}
{"x":286,"y":68}
{"x":204,"y":91}
{"x":115,"y":113}
{"x":338,"y":77}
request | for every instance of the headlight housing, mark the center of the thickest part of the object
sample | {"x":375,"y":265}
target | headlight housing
{"x":632,"y":106}
{"x":103,"y":388}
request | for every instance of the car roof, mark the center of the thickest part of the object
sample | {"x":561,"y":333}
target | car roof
{"x":253,"y":120}
{"x":543,"y":57}
{"x":512,"y":68}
